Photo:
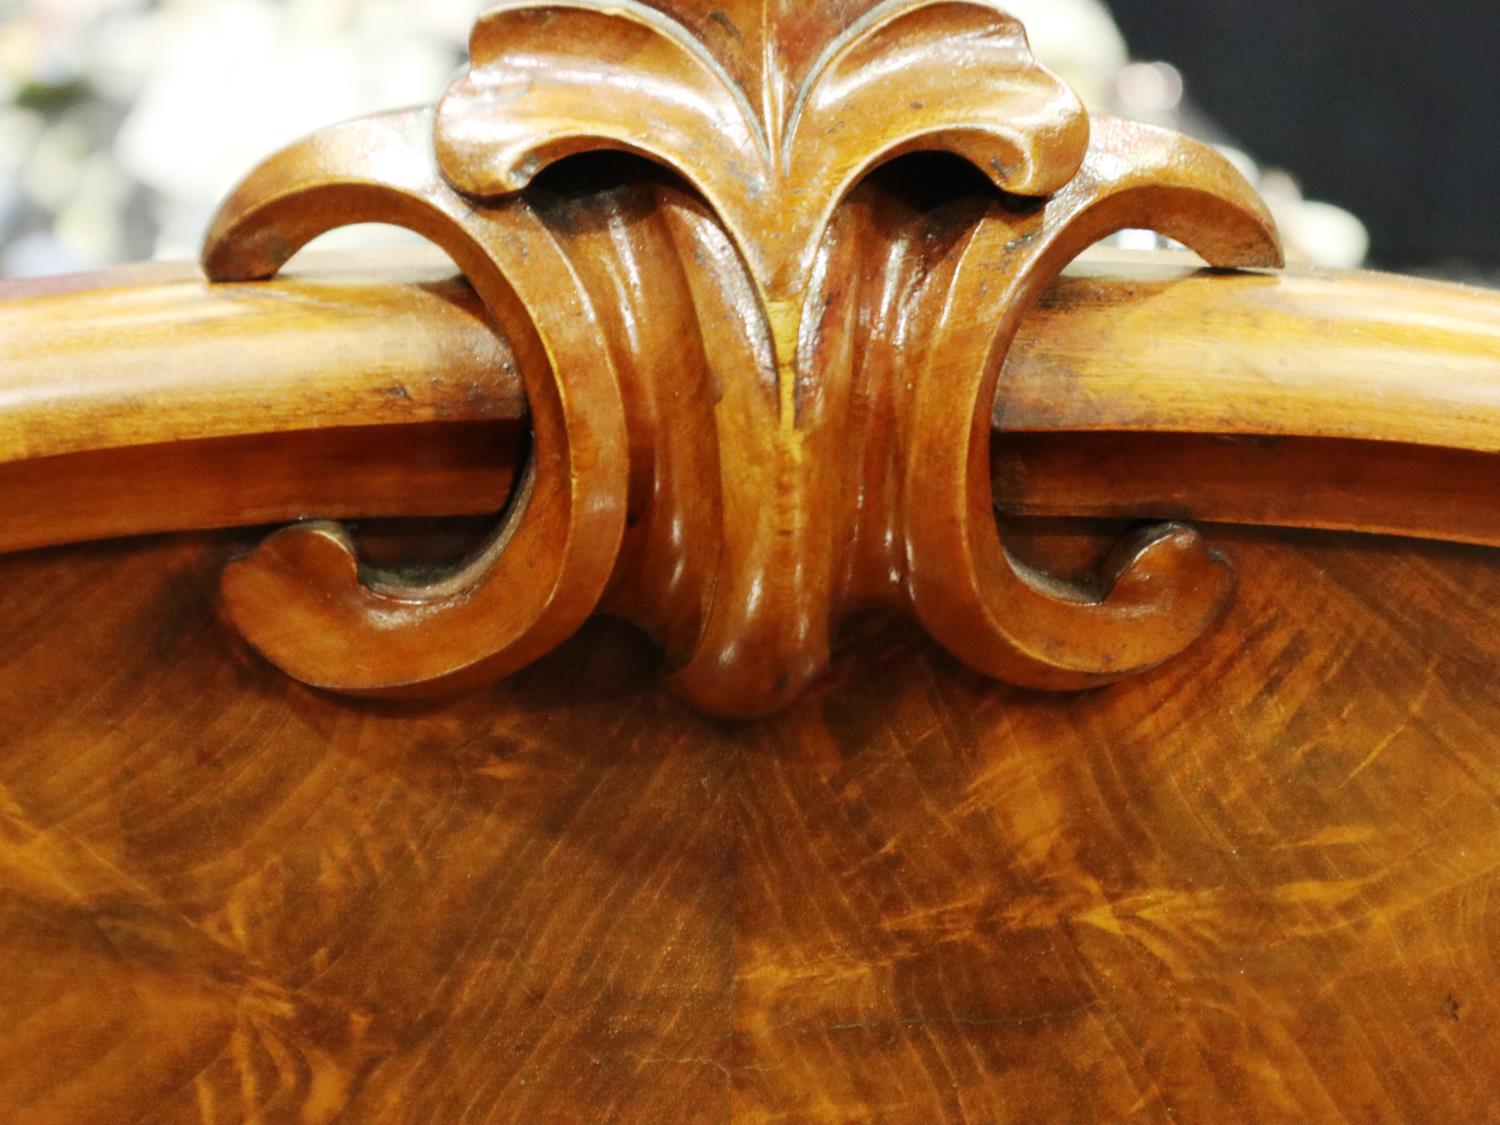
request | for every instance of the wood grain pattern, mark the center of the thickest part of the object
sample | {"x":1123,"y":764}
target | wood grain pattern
{"x":1354,"y":486}
{"x":450,"y":469}
{"x":762,"y":366}
{"x":773,"y":394}
{"x":1257,"y":884}
{"x":1142,"y":343}
{"x":1400,"y":439}
{"x":1121,"y":342}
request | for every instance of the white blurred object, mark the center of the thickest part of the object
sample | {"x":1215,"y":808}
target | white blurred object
{"x":38,"y":254}
{"x":1079,"y":40}
{"x":1316,"y":232}
{"x":55,"y":168}
{"x":1149,"y":89}
{"x":20,"y":130}
{"x":89,"y":226}
{"x":237,"y":80}
{"x":1328,"y":235}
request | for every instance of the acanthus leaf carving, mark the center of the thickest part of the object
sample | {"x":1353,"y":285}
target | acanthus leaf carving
{"x":552,"y":79}
{"x":760,"y":394}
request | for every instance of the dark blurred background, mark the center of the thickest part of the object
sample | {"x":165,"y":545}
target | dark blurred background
{"x":1390,"y":108}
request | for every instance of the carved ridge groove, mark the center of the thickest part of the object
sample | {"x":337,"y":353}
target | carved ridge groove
{"x":761,"y":378}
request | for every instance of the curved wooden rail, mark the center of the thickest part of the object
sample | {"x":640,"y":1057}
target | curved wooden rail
{"x":144,"y":399}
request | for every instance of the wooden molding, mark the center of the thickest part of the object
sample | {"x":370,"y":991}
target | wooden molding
{"x":1141,"y":385}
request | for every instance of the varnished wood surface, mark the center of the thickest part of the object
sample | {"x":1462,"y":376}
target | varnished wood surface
{"x":762,"y":387}
{"x":1143,"y":343}
{"x":450,"y":469}
{"x":760,"y":324}
{"x":153,"y":355}
{"x":741,"y":434}
{"x":1256,"y":885}
{"x":150,"y":355}
{"x":187,"y":378}
{"x":1354,"y":486}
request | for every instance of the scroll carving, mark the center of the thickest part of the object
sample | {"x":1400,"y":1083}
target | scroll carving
{"x":760,"y":367}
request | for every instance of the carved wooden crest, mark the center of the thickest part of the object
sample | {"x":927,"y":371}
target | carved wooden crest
{"x":760,"y":378}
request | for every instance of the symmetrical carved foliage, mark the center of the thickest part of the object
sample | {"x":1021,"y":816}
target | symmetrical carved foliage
{"x":551,"y":80}
{"x":760,"y":393}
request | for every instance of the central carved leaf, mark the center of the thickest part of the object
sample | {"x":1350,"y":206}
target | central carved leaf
{"x":773,"y":113}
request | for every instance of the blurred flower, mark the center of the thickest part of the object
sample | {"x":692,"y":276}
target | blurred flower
{"x":293,"y":68}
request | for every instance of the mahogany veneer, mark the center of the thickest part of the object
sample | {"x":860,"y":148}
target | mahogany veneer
{"x":1257,"y":884}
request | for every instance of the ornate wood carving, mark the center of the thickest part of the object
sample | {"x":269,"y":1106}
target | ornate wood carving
{"x":760,"y":377}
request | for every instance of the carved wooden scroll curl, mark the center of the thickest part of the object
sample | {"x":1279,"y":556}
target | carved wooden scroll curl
{"x":761,"y":375}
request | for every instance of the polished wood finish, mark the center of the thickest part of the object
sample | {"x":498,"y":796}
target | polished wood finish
{"x":1254,"y":885}
{"x":762,"y":394}
{"x":450,"y":469}
{"x":1365,"y":487}
{"x":764,"y":403}
{"x":1141,"y":342}
{"x":761,"y":373}
{"x":1399,"y":439}
{"x":759,"y":395}
{"x":1147,"y":343}
{"x":136,"y":357}
{"x":773,"y":112}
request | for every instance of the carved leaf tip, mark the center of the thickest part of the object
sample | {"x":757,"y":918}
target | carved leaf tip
{"x":968,"y":83}
{"x":549,"y":80}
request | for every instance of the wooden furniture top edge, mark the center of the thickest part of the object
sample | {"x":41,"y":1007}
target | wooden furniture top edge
{"x":1123,"y":342}
{"x":397,"y":362}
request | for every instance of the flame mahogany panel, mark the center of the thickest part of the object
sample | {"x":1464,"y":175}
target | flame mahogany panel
{"x":1253,"y":885}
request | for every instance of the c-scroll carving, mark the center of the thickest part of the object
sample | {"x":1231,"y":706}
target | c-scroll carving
{"x":301,"y":597}
{"x":1165,"y":587}
{"x":761,"y":397}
